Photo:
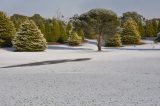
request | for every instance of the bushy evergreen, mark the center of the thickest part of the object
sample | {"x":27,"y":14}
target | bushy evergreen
{"x":74,"y":39}
{"x":63,"y":35}
{"x":139,"y":19}
{"x":48,"y":30}
{"x":56,"y":30}
{"x":68,"y":29}
{"x":29,"y":38}
{"x":40,"y":22}
{"x":114,"y":41}
{"x":151,"y":28}
{"x":7,"y":30}
{"x":130,"y":34}
{"x":81,"y":34}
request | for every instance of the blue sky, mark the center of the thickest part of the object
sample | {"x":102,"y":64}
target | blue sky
{"x":49,"y":8}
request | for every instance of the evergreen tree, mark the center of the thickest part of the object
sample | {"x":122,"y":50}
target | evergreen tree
{"x":56,"y":30}
{"x":18,"y":20}
{"x":81,"y":34}
{"x":130,"y":34}
{"x":29,"y":38}
{"x":74,"y":39}
{"x":40,"y":22}
{"x":63,"y":34}
{"x":69,"y":29}
{"x":149,"y":28}
{"x":155,"y":27}
{"x":114,"y":41}
{"x":158,"y":30}
{"x":49,"y":31}
{"x":139,"y":19}
{"x":7,"y":30}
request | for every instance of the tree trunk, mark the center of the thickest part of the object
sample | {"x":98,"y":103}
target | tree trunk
{"x":99,"y":42}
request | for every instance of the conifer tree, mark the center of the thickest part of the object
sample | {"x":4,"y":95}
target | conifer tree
{"x":114,"y":41}
{"x":29,"y":38}
{"x":158,"y":30}
{"x":68,"y":29}
{"x":130,"y":34}
{"x":63,"y":34}
{"x":74,"y":39}
{"x":155,"y":27}
{"x":39,"y":20}
{"x":149,"y":29}
{"x":139,"y":19}
{"x":18,"y":19}
{"x":81,"y":34}
{"x":56,"y":30}
{"x":7,"y":30}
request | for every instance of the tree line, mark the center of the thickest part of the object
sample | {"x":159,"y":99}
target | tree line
{"x":54,"y":30}
{"x":102,"y":24}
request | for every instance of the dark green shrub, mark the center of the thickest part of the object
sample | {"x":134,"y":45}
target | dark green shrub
{"x":7,"y":30}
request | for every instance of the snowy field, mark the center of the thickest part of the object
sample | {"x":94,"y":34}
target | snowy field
{"x":80,"y":76}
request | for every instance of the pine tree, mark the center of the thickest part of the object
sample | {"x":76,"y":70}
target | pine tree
{"x":69,"y":29}
{"x":158,"y":30}
{"x":130,"y":34}
{"x":39,"y":20}
{"x":155,"y":27}
{"x":18,"y":19}
{"x":7,"y":30}
{"x":29,"y":38}
{"x":149,"y":29}
{"x":49,"y":31}
{"x":114,"y":41}
{"x":81,"y":34}
{"x":74,"y":39}
{"x":56,"y":30}
{"x":63,"y":34}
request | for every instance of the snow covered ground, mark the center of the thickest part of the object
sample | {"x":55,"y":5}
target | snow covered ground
{"x":127,"y":76}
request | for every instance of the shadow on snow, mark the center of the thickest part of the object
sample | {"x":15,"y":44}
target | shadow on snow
{"x":67,"y":48}
{"x":48,"y":62}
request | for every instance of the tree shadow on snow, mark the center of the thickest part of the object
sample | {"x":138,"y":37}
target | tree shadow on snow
{"x":48,"y":62}
{"x":133,"y":49}
{"x":67,"y":48}
{"x":92,"y":42}
{"x":10,"y":49}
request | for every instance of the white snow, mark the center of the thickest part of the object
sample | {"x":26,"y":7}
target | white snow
{"x":127,"y":76}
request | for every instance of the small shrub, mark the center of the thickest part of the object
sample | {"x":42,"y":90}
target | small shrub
{"x":128,"y":39}
{"x":81,"y":34}
{"x":74,"y":39}
{"x":114,"y":41}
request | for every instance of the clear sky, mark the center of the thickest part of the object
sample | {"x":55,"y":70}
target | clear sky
{"x":49,"y":8}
